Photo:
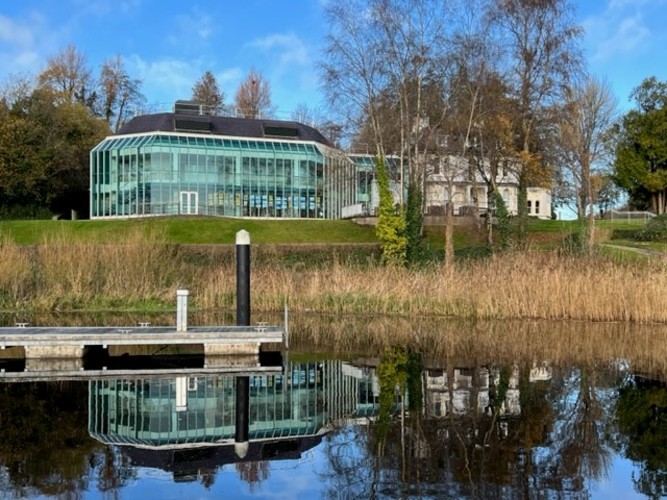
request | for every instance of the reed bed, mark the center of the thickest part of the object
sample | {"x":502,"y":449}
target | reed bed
{"x":142,"y":273}
{"x":517,"y":286}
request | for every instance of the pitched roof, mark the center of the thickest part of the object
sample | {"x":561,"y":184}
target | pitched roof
{"x":223,"y":125}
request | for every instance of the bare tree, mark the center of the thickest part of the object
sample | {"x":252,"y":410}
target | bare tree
{"x":382,"y":59}
{"x":479,"y":125}
{"x":207,"y":92}
{"x":119,"y":93}
{"x":542,"y":55}
{"x":306,"y":114}
{"x":588,"y":115}
{"x":16,"y":89}
{"x":69,"y":78}
{"x":253,"y":97}
{"x":414,"y":47}
{"x":353,"y":67}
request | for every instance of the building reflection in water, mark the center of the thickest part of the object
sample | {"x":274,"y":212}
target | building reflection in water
{"x":471,"y":387}
{"x":187,"y":424}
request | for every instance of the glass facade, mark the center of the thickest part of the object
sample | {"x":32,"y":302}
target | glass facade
{"x":161,"y":173}
{"x":365,"y":178}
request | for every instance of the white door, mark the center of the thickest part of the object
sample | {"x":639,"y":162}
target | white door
{"x":189,"y":202}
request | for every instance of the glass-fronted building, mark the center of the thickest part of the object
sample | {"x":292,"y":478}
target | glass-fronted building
{"x":367,"y":189}
{"x":184,"y":163}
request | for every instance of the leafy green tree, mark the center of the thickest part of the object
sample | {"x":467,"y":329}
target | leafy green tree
{"x":68,"y":171}
{"x":20,"y":168}
{"x":640,"y":167}
{"x":391,"y":225}
{"x":44,"y":153}
{"x":504,"y":227}
{"x":413,"y":225}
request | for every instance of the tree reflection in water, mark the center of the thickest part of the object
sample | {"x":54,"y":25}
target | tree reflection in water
{"x":45,"y":448}
{"x":430,"y":426}
{"x":253,"y":473}
{"x":486,"y":431}
{"x":641,"y":412}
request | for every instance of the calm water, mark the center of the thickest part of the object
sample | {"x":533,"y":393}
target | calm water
{"x":395,"y":422}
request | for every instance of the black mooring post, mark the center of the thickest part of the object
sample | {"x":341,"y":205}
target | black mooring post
{"x":242,"y":412}
{"x":242,"y":319}
{"x":243,"y":278}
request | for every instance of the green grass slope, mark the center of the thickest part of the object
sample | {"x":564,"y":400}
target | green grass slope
{"x":189,"y":230}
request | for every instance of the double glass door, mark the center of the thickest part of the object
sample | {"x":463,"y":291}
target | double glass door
{"x":189,"y":202}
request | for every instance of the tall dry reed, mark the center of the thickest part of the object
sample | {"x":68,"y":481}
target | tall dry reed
{"x":141,"y":271}
{"x":541,"y":286}
{"x":16,"y":271}
{"x":133,"y":271}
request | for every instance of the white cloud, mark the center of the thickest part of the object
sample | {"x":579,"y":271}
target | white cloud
{"x":14,"y":33}
{"x":25,"y":44}
{"x":166,"y":80}
{"x":290,"y":48}
{"x":194,"y":26}
{"x":620,"y":29}
{"x":628,"y":36}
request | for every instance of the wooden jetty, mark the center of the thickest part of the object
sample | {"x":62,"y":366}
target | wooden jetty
{"x":67,"y":342}
{"x":70,"y":343}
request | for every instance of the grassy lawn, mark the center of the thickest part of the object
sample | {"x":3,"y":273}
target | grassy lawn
{"x":189,"y":230}
{"x":543,"y":234}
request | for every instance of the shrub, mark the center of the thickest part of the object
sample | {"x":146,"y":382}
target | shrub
{"x":391,"y":225}
{"x":655,"y":230}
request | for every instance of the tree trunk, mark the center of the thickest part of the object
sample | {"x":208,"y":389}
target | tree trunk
{"x":591,"y":213}
{"x":449,"y":236}
{"x":490,"y":209}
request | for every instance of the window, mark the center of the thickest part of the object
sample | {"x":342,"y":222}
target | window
{"x":537,"y":206}
{"x":530,"y":206}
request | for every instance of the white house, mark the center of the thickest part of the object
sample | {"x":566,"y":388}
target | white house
{"x":449,"y":174}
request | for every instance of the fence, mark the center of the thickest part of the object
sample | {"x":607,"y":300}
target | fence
{"x":628,"y":216}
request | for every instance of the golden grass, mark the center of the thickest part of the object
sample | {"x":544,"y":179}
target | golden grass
{"x":541,"y":286}
{"x":143,"y":273}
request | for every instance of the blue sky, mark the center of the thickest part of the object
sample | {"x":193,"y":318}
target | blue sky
{"x":168,"y":44}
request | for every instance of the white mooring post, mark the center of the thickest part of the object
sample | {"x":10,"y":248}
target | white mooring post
{"x":182,"y":310}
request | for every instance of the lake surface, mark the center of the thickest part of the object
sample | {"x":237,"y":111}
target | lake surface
{"x":452,"y":418}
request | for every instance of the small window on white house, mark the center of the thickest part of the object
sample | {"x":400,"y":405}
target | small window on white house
{"x":537,"y":206}
{"x":530,"y":206}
